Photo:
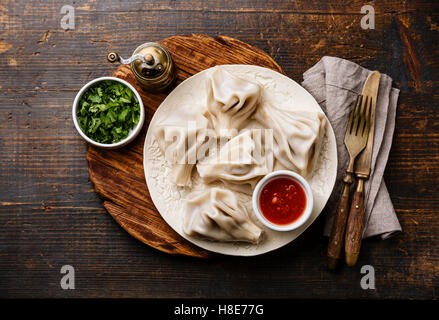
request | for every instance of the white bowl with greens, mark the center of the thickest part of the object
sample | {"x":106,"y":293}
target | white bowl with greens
{"x":108,"y":112}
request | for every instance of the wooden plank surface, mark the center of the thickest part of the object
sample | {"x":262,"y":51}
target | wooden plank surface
{"x":50,"y":214}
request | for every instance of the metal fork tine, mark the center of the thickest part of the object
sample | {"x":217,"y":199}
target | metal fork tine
{"x":357,"y":117}
{"x":358,"y":126}
{"x":351,"y":117}
{"x":368,"y":116}
{"x":363,"y":116}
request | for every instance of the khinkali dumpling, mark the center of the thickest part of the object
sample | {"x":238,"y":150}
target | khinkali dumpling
{"x":242,"y":160}
{"x":179,"y":136}
{"x":230,"y":100}
{"x":297,"y":136}
{"x":217,"y":215}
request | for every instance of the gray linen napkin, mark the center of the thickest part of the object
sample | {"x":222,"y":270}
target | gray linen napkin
{"x":335,"y":83}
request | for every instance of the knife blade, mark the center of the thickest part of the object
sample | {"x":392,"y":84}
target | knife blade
{"x":355,"y":224}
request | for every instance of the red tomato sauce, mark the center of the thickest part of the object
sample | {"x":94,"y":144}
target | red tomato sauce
{"x":282,"y":201}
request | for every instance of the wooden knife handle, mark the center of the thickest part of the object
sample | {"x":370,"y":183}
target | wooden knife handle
{"x":336,"y":238}
{"x":354,"y":228}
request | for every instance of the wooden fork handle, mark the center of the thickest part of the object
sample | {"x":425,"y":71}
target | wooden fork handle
{"x":354,"y":228}
{"x":336,"y":238}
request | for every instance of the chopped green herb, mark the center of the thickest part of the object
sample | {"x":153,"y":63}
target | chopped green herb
{"x":108,"y":111}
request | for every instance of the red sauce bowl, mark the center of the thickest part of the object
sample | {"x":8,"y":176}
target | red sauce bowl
{"x":283,"y":200}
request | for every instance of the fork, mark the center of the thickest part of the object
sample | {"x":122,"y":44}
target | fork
{"x":355,"y":141}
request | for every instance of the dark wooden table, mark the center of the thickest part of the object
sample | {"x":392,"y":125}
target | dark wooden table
{"x":50,"y":215}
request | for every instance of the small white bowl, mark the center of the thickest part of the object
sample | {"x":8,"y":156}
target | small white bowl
{"x":134,"y":132}
{"x":308,"y":193}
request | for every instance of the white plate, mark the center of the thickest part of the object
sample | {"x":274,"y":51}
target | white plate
{"x":169,"y":199}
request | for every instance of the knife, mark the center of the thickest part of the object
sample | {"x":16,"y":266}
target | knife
{"x":355,"y":224}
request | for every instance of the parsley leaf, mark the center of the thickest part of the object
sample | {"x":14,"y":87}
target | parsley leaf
{"x":108,"y":111}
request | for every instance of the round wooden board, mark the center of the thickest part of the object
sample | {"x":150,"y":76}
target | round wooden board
{"x":118,"y":175}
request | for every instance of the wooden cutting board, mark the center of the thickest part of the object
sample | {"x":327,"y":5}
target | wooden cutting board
{"x":118,"y":175}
